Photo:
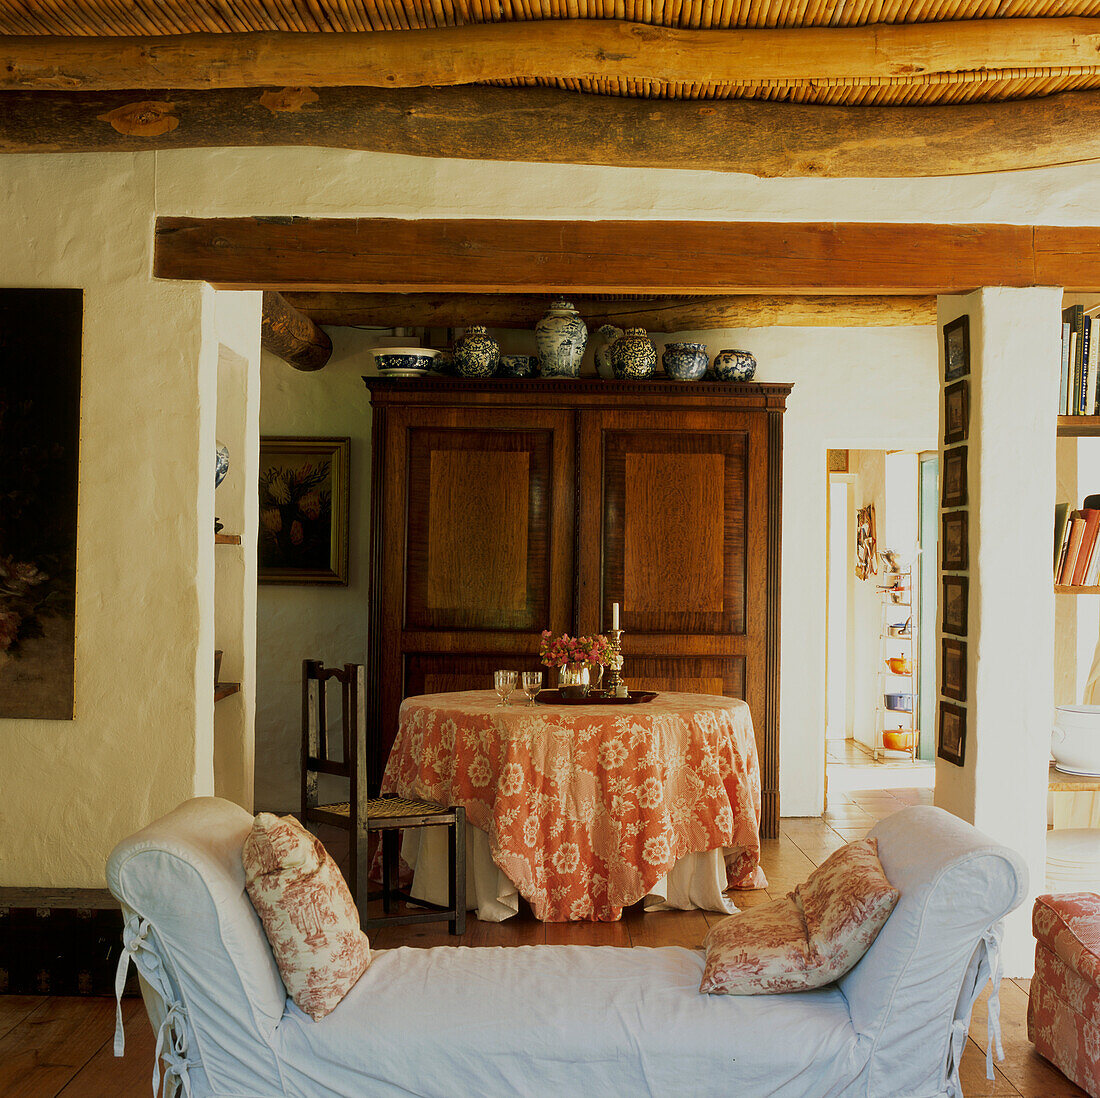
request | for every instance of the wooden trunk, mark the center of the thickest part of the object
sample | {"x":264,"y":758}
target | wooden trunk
{"x":502,"y":508}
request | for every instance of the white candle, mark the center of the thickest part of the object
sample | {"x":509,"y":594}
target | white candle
{"x":614,"y":615}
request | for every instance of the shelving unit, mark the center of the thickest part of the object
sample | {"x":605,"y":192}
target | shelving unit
{"x":897,"y":646}
{"x":227,"y":539}
{"x":224,"y":689}
{"x":1061,"y":589}
{"x":1079,"y":426}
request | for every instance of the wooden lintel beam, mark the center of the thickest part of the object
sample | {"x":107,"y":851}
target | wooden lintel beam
{"x":293,"y":336}
{"x":546,"y":125}
{"x":594,"y":257}
{"x":564,"y":49}
{"x":666,"y":314}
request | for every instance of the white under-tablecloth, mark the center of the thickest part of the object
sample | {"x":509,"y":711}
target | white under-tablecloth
{"x":696,"y":880}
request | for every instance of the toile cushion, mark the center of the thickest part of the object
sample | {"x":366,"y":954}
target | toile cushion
{"x":307,"y":912}
{"x":809,"y":938}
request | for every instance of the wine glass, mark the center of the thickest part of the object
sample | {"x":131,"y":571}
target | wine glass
{"x":532,"y":684}
{"x":505,"y":683}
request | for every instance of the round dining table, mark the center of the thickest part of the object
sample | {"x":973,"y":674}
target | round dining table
{"x":589,"y":808}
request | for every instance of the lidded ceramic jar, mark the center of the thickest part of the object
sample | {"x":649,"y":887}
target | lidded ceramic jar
{"x":685,"y":361}
{"x":476,"y":353}
{"x":560,"y":338}
{"x":733,"y":365}
{"x":602,"y":341}
{"x":633,"y":356}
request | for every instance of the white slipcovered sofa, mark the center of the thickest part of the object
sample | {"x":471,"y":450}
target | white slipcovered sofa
{"x":559,"y":1021}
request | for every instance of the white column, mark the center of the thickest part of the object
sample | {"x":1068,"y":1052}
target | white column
{"x":235,"y":350}
{"x":1013,"y":382}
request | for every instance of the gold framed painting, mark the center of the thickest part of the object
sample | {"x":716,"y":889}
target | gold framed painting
{"x":304,"y":510}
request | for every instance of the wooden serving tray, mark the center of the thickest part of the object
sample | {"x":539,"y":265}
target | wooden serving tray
{"x":553,"y":697}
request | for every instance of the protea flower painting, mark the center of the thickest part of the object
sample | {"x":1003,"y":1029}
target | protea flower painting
{"x":40,"y":332}
{"x":303,"y":510}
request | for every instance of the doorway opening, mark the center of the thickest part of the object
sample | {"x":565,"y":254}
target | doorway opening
{"x":881,"y":589}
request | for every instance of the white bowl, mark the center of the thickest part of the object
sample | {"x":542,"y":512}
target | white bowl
{"x":1075,"y":739}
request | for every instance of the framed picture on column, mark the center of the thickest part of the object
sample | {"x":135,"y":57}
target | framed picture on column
{"x":956,"y":596}
{"x":956,"y":349}
{"x":952,"y":745}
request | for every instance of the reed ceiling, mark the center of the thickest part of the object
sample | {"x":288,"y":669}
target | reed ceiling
{"x":170,"y":17}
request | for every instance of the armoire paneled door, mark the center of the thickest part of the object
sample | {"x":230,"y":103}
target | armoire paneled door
{"x":502,"y":508}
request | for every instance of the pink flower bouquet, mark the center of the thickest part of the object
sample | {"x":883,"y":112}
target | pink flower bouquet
{"x":563,"y":650}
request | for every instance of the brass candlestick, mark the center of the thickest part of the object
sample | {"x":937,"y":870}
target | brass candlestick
{"x":615,"y":685}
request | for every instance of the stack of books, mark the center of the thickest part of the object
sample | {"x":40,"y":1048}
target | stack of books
{"x":1080,"y":363}
{"x":1076,"y":559}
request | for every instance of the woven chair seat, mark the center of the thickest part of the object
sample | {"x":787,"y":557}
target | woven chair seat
{"x":389,"y":806}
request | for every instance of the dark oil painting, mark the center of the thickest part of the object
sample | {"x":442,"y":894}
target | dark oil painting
{"x":40,"y":332}
{"x":304,"y":504}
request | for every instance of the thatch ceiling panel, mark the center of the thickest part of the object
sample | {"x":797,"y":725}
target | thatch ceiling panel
{"x":108,"y":18}
{"x":140,"y":17}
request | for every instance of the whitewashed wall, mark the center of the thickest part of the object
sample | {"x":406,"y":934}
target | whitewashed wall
{"x":145,"y":555}
{"x":142,"y":740}
{"x":322,"y":622}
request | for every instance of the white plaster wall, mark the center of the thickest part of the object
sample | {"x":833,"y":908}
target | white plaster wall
{"x":869,"y":467}
{"x":335,"y":183}
{"x":322,"y":622}
{"x":141,"y":739}
{"x":237,"y":328}
{"x":1002,"y":788}
{"x":146,"y":563}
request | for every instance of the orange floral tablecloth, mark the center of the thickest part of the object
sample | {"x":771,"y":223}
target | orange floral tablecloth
{"x":588,"y":806}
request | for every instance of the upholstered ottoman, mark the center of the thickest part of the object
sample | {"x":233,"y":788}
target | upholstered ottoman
{"x":1063,"y":1013}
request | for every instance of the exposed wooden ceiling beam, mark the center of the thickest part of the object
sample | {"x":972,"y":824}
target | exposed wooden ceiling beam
{"x":565,"y":49}
{"x":648,"y":257}
{"x":657,"y":314}
{"x":550,"y":126}
{"x":293,"y":336}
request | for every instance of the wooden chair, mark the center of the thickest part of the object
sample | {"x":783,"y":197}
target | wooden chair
{"x":362,"y":813}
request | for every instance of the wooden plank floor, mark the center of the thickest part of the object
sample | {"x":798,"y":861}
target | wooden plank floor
{"x":62,"y":1046}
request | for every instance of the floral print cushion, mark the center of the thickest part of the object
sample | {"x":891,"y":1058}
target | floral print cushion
{"x":308,"y":914}
{"x":808,"y":939}
{"x":1069,"y":926}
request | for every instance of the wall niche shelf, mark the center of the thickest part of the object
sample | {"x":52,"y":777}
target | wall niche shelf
{"x":1079,"y":426}
{"x":1061,"y":589}
{"x":227,"y":539}
{"x":224,"y":689}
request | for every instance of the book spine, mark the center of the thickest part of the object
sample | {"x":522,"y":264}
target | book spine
{"x":1094,"y":367}
{"x":1077,"y":531}
{"x":1063,"y":391}
{"x":1072,"y":360}
{"x":1082,"y":392}
{"x":1088,"y":544}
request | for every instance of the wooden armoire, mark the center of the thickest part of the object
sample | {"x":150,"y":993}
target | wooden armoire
{"x":502,"y":508}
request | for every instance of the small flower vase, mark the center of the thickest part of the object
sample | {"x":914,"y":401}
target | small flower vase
{"x":560,"y":338}
{"x":476,"y":354}
{"x":573,"y":680}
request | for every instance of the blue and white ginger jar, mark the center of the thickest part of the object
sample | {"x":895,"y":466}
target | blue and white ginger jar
{"x":633,"y":356}
{"x":476,"y":354}
{"x":560,"y":338}
{"x":221,"y":462}
{"x":685,"y":361}
{"x":734,"y":366}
